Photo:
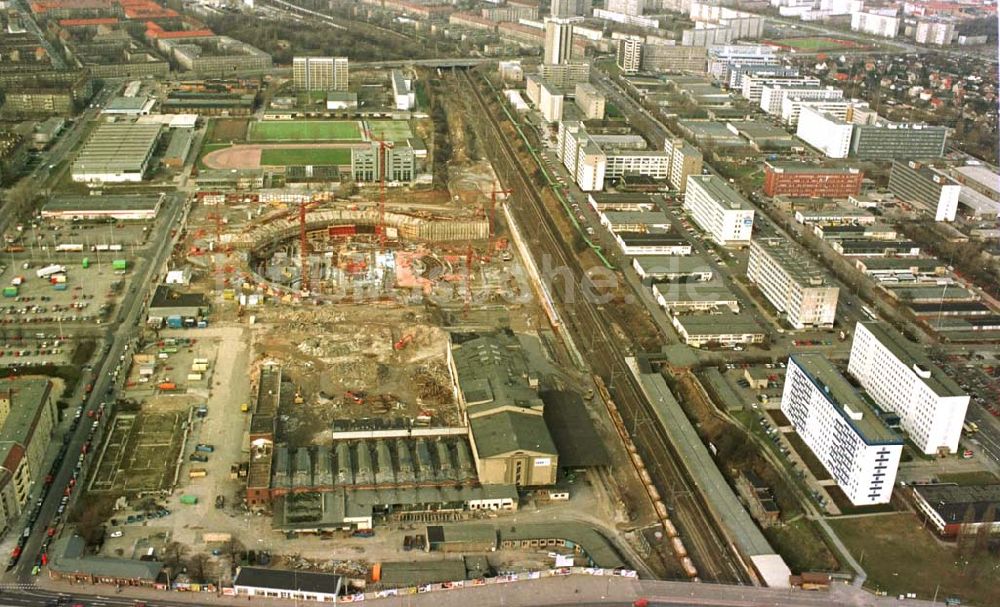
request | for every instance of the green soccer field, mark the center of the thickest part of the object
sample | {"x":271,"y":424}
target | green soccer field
{"x":305,"y":156}
{"x":818,"y":43}
{"x":305,"y":130}
{"x":390,"y":130}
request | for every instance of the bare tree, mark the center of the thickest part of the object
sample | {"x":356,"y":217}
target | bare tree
{"x":198,"y":567}
{"x":984,"y":530}
{"x":232,"y":548}
{"x":173,"y":553}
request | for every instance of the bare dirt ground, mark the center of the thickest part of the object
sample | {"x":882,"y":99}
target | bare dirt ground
{"x":331,"y":354}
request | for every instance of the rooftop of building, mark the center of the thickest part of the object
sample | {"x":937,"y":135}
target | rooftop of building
{"x":492,"y":372}
{"x":650,"y":239}
{"x":124,"y":202}
{"x":912,"y":355}
{"x":977,"y":307}
{"x":756,"y":129}
{"x":27,"y":397}
{"x":924,"y":170}
{"x":117,"y":147}
{"x":418,"y":573}
{"x":610,"y":198}
{"x":707,"y":291}
{"x":853,"y":406}
{"x":479,"y":533}
{"x":127,"y":104}
{"x":952,"y":502}
{"x":807,"y":168}
{"x":981,"y":174}
{"x":672,"y":263}
{"x":725,"y":323}
{"x":508,"y":431}
{"x":720,"y":191}
{"x":293,"y":581}
{"x":166,"y":297}
{"x":180,"y":142}
{"x":796,"y":262}
{"x":897,"y":263}
{"x":646,"y":218}
{"x":68,"y":555}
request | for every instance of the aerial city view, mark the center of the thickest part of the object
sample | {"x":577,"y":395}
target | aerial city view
{"x":499,"y":303}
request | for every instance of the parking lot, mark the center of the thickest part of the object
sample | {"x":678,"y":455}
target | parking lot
{"x":34,"y":351}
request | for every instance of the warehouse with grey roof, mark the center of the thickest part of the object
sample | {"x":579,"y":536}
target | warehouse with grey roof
{"x":116,"y":153}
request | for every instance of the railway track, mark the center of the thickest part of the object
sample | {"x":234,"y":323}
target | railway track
{"x":706,"y":545}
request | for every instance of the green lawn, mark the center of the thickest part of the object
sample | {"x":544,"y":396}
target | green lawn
{"x":390,"y":130}
{"x":304,"y":156}
{"x":901,"y":556}
{"x":305,"y":130}
{"x":802,"y":546}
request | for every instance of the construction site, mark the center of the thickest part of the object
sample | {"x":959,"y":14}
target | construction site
{"x":342,"y":363}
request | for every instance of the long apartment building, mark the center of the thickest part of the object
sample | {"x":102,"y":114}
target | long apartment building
{"x":921,"y":184}
{"x":320,"y":73}
{"x":753,"y":83}
{"x":719,"y":210}
{"x":27,"y":419}
{"x":590,"y":163}
{"x":901,"y":379}
{"x":883,"y":140}
{"x":839,"y":426}
{"x":581,"y":156}
{"x":794,"y":284}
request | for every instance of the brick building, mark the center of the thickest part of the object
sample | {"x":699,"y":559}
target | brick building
{"x":811,"y":181}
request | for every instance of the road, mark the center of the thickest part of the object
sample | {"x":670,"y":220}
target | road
{"x":42,"y":176}
{"x":576,"y":590}
{"x":28,"y":20}
{"x":120,"y":339}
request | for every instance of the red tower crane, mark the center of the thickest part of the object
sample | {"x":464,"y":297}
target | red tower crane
{"x":304,"y":245}
{"x":381,"y":163}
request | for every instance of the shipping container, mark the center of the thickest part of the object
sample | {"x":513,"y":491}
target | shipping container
{"x":202,"y":324}
{"x":69,"y":248}
{"x":199,"y":368}
{"x":60,"y":286}
{"x":119,"y":264}
{"x":85,"y":263}
{"x":167,"y":386}
{"x":174,"y":322}
{"x":204,"y":448}
{"x":10,"y":291}
{"x":194,"y":377}
{"x":197,"y":473}
{"x":200,"y":361}
{"x":190,"y":500}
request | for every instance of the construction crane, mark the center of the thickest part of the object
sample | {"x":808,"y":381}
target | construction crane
{"x":217,"y":246}
{"x":381,"y":163}
{"x":493,"y":215}
{"x":304,"y":207}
